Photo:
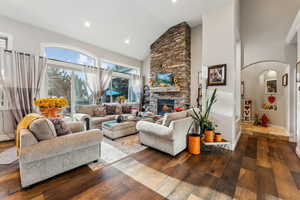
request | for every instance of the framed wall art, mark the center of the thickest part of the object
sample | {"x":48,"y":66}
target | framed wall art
{"x":285,"y":79}
{"x":216,"y":75}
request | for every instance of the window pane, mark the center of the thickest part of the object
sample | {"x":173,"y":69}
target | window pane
{"x":59,"y":84}
{"x":119,"y":87}
{"x":3,"y":43}
{"x":82,"y":92}
{"x":118,"y":68}
{"x":67,"y":55}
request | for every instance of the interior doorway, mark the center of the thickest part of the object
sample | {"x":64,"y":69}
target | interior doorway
{"x":265,"y":105}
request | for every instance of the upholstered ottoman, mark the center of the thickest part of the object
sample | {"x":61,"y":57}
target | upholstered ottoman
{"x":113,"y":129}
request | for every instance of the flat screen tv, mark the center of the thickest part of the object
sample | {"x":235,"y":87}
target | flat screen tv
{"x":164,"y":78}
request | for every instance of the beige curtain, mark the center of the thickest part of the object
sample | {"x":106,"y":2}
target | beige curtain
{"x":21,"y":76}
{"x":97,"y":81}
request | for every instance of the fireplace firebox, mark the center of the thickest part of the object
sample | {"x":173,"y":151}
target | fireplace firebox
{"x":165,"y":106}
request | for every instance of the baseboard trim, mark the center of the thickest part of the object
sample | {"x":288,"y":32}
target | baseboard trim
{"x":233,"y":146}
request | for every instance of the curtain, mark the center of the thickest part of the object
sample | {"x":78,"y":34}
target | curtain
{"x":21,"y":77}
{"x":97,"y":81}
{"x":136,"y":87}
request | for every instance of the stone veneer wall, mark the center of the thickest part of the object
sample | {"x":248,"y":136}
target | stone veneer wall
{"x":171,"y":53}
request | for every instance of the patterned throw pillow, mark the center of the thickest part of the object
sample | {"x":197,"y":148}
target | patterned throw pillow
{"x":110,"y":109}
{"x":100,"y":111}
{"x":126,"y":109}
{"x":60,"y":126}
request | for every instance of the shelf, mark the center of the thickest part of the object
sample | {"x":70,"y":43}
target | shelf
{"x":165,"y":89}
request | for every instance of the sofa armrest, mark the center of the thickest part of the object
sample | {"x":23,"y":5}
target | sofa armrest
{"x":181,"y":127}
{"x":26,"y":138}
{"x":75,"y":126}
{"x":155,"y":129}
{"x":60,"y":145}
{"x":85,"y":118}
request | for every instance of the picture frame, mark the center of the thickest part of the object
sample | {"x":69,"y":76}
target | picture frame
{"x":298,"y":72}
{"x":216,"y":75}
{"x":271,"y":86}
{"x":285,"y":79}
{"x":242,"y":89}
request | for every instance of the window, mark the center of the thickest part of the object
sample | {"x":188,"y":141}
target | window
{"x":120,"y":84}
{"x":70,"y":56}
{"x":3,"y":42}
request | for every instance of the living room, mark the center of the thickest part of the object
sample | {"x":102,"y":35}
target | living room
{"x":148,"y":99}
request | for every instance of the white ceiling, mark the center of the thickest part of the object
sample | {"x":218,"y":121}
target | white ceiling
{"x":112,"y":21}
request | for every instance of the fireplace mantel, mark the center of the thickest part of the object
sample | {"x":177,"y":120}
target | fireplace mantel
{"x":165,"y":89}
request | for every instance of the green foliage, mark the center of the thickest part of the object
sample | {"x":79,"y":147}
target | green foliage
{"x":201,"y":121}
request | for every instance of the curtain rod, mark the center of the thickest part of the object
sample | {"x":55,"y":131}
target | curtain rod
{"x":28,"y":54}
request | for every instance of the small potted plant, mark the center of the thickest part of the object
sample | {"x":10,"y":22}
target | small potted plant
{"x":210,"y":131}
{"x":199,"y":125}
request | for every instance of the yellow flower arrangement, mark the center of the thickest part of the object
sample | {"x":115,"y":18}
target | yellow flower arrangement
{"x":121,"y":99}
{"x":51,"y":102}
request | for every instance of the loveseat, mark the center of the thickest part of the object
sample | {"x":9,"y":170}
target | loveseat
{"x":40,"y":160}
{"x":94,"y":115}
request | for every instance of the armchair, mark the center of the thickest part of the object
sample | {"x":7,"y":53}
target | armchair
{"x":171,"y":139}
{"x":40,"y":160}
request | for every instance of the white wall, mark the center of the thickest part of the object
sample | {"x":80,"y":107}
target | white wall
{"x":196,"y":61}
{"x":254,"y":80}
{"x":28,"y":38}
{"x":219,"y":47}
{"x":264,"y":26}
{"x":298,"y":97}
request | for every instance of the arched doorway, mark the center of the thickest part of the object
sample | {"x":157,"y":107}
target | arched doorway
{"x":266,"y":91}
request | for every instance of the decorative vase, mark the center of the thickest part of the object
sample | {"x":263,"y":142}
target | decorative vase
{"x":218,"y":137}
{"x":50,"y":112}
{"x":194,"y":144}
{"x":209,"y":135}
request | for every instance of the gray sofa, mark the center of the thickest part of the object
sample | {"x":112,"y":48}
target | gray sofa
{"x":86,"y":114}
{"x":170,"y":136}
{"x":41,"y":160}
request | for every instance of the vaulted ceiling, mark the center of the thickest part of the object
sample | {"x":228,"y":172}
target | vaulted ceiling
{"x":112,"y":22}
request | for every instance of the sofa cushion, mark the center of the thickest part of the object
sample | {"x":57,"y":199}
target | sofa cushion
{"x":100,"y":111}
{"x":42,"y":129}
{"x":99,"y":120}
{"x":87,"y":109}
{"x":60,"y":126}
{"x":168,"y":118}
{"x":110,"y":109}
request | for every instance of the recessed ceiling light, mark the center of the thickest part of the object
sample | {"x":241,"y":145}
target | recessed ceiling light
{"x":87,"y":24}
{"x":174,"y":1}
{"x":127,"y":41}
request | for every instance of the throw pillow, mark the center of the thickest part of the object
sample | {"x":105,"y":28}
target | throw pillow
{"x":126,"y":109}
{"x":168,"y":118}
{"x":118,"y":110}
{"x":110,"y":109}
{"x":87,"y":109}
{"x":100,"y":111}
{"x":60,"y":126}
{"x":42,"y":129}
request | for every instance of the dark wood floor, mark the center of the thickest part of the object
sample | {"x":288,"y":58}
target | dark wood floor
{"x":260,"y":168}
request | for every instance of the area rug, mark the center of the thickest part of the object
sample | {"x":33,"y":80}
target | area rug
{"x":8,"y":156}
{"x":112,"y":151}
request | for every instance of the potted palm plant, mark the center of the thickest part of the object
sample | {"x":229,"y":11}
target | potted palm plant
{"x":200,"y":124}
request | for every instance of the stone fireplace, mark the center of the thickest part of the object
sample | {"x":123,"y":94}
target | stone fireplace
{"x":171,"y":53}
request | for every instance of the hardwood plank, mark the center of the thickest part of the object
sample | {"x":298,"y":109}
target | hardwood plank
{"x":263,"y":151}
{"x":266,"y":187}
{"x":251,"y":149}
{"x":296,"y":177}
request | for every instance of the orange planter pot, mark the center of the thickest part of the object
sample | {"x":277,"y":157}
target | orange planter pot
{"x":218,"y":137}
{"x":194,"y":144}
{"x":209,"y":136}
{"x":50,"y":112}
